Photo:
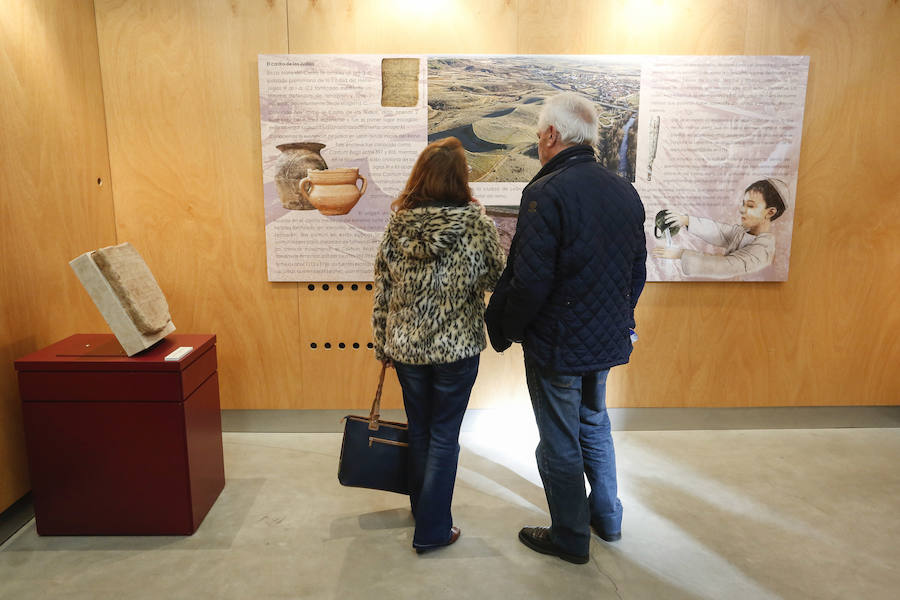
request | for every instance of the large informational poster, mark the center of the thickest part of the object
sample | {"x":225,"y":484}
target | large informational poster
{"x":711,"y":143}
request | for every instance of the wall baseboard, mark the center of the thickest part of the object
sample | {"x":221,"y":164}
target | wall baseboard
{"x":15,"y":517}
{"x":623,"y":419}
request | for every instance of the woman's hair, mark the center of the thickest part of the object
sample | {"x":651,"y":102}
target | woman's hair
{"x":770,"y":194}
{"x":439,"y":176}
{"x":573,"y":116}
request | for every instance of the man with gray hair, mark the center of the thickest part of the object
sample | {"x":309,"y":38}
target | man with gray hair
{"x":575,"y":270}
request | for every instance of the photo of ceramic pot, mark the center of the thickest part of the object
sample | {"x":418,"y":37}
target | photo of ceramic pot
{"x":296,"y":160}
{"x":333,"y":191}
{"x":659,"y":229}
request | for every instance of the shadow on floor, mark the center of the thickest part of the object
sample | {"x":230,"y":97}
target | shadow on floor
{"x":217,"y":532}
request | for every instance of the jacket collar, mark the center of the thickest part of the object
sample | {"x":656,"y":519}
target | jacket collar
{"x":573,"y":154}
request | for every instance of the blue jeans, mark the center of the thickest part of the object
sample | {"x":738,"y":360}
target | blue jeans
{"x":435,"y":398}
{"x":574,"y":428}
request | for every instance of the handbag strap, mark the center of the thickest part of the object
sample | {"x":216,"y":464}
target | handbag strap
{"x":375,"y":413}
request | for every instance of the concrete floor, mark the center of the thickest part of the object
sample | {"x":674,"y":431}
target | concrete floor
{"x":708,"y":514}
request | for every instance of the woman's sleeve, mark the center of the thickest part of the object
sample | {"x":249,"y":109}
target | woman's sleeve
{"x":493,"y":254}
{"x":382,"y":297}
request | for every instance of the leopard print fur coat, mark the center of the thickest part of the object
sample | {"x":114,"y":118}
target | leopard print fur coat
{"x":432,"y":270}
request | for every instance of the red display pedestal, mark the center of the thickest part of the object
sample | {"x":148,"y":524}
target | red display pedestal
{"x":119,"y":445}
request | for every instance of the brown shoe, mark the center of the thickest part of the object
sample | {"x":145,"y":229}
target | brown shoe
{"x":454,"y":535}
{"x":538,"y":539}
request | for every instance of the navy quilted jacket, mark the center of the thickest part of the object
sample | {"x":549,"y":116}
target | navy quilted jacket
{"x":576,"y":267}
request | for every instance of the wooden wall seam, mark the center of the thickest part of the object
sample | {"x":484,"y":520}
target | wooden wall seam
{"x":53,"y":153}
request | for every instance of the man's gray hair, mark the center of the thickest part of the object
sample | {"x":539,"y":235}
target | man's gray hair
{"x":573,"y":116}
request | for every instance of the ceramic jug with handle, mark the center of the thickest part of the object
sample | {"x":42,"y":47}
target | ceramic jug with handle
{"x":333,"y":191}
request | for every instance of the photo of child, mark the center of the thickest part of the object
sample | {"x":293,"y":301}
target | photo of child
{"x":749,"y":246}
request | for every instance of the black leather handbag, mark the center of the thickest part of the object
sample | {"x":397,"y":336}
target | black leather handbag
{"x":374,"y":452}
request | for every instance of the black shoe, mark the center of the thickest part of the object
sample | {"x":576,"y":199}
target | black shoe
{"x":454,"y":535}
{"x":538,"y":539}
{"x":606,"y":536}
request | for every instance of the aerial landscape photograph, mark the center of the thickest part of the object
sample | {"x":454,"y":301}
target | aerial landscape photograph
{"x":492,"y":103}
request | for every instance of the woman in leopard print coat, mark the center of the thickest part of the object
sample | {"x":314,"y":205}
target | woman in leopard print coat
{"x":438,"y":257}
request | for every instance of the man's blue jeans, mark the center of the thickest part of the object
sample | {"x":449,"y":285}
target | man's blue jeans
{"x":435,"y":398}
{"x":570,"y":411}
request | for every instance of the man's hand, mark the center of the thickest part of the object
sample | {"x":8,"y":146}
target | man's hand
{"x":664,"y":252}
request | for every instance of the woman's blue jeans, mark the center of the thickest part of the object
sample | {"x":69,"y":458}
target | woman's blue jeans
{"x":574,"y":428}
{"x":435,"y":398}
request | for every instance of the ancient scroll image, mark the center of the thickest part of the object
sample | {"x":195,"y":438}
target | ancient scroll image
{"x":400,"y":82}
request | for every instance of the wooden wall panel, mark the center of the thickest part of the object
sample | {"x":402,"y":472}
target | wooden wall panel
{"x":414,"y":26}
{"x":55,"y":199}
{"x":346,"y":378}
{"x":632,"y":27}
{"x":181,"y":94}
{"x":180,"y":86}
{"x":672,"y":318}
{"x":841,"y":339}
{"x":806,"y":341}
